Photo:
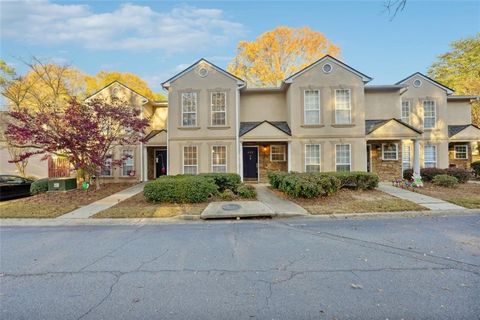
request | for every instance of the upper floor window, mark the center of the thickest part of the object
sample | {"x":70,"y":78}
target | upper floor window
{"x":312,"y":158}
{"x":343,"y":159}
{"x":406,"y":111}
{"x":429,"y":114}
{"x":311,"y":106}
{"x":190,"y":160}
{"x":278,"y":153}
{"x":219,"y":159}
{"x":389,"y":151}
{"x":189,"y":109}
{"x":218,"y":108}
{"x":460,"y":151}
{"x":430,"y":156}
{"x":343,"y":106}
{"x":127,"y":163}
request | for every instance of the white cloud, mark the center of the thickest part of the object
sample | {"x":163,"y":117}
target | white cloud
{"x":129,"y":27}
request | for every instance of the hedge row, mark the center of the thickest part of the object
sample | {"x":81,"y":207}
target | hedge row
{"x":428,"y":174}
{"x":196,"y":188}
{"x":39,"y":186}
{"x":310,"y":185}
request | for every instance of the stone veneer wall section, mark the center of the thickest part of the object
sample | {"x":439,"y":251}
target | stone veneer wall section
{"x":387,"y":170}
{"x":459,"y":163}
{"x":265,"y":165}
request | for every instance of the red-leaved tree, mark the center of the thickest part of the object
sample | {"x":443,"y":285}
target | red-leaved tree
{"x":86,"y":133}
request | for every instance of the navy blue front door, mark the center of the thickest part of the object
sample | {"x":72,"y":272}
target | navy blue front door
{"x":250,"y":162}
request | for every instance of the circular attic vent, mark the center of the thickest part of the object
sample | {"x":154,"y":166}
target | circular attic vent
{"x":327,"y":68}
{"x":203,"y":72}
{"x":417,"y":83}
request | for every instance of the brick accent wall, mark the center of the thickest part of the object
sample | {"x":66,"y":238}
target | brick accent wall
{"x":387,"y":170}
{"x":265,"y":165}
{"x":459,"y":163}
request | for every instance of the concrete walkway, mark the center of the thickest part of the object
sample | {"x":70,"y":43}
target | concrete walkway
{"x":279,"y":206}
{"x":418,"y":198}
{"x":103,"y":204}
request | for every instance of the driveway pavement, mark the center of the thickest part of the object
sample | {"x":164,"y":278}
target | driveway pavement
{"x":419,"y":268}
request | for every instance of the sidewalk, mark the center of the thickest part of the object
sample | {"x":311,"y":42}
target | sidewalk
{"x":102,"y":204}
{"x":278,"y":205}
{"x":418,"y":198}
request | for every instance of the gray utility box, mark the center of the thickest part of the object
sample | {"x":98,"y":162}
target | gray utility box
{"x":62,"y":184}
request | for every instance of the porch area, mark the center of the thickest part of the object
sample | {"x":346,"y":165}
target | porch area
{"x":258,"y":158}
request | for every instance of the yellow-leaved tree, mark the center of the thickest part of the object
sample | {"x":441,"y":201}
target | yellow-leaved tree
{"x":104,"y":78}
{"x":278,"y":53}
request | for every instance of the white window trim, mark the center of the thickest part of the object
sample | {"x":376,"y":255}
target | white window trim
{"x":284,"y":152}
{"x":133,"y":162}
{"x":349,"y":153}
{"x":305,"y":109}
{"x":434,"y":117}
{"x":455,"y":151}
{"x":212,"y":112}
{"x":349,"y":106}
{"x":111,"y":168}
{"x":183,"y":159}
{"x":196,"y":109}
{"x":436,"y":155}
{"x":226,"y":157}
{"x":383,"y":152}
{"x":409,"y":111}
{"x":319,"y":157}
{"x":404,"y":160}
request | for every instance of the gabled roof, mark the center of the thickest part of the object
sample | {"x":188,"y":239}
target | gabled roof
{"x":153,"y":133}
{"x":435,"y":83}
{"x":246,"y":127}
{"x":453,"y":130}
{"x":166,"y":84}
{"x":364,"y":77}
{"x":372,"y":125}
{"x":121,"y":84}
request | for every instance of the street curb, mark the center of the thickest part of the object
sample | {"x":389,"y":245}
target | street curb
{"x":182,"y":219}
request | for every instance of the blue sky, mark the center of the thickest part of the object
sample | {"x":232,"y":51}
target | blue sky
{"x":156,"y":39}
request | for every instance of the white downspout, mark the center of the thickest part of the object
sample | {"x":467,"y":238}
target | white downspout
{"x":237,"y":128}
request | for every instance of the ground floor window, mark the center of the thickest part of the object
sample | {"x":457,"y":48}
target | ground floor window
{"x":219,"y":159}
{"x":107,"y":168}
{"x":127,"y":163}
{"x":312,"y":158}
{"x":406,"y":158}
{"x":461,"y":152}
{"x":343,"y":157}
{"x":278,"y":153}
{"x":389,"y":151}
{"x":190,"y":160}
{"x":430,"y":156}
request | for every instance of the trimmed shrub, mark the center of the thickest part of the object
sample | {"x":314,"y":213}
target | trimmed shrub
{"x":246,"y":191}
{"x":428,"y":174}
{"x":462,"y":175}
{"x":445,"y":180}
{"x":275,"y":178}
{"x":224,"y":180}
{"x":476,"y":167}
{"x":180,"y":189}
{"x":308,"y":185}
{"x":39,"y":186}
{"x":357,"y":180}
{"x":227,"y":195}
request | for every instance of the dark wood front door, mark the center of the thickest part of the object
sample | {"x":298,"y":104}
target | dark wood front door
{"x":250,"y":162}
{"x":369,"y":158}
{"x":160,"y":163}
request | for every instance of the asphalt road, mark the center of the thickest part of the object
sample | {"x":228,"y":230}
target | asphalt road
{"x":397,"y":268}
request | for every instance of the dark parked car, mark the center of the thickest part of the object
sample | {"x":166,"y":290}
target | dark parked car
{"x":14,"y":187}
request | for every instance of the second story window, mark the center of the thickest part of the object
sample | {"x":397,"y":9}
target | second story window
{"x":311,"y":106}
{"x":218,"y":108}
{"x":189,"y":109}
{"x":429,"y":114}
{"x":343,"y":110}
{"x":406,"y":111}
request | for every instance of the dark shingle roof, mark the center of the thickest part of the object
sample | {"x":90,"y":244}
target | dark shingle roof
{"x":453,"y":130}
{"x":248,"y":126}
{"x":153,"y":133}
